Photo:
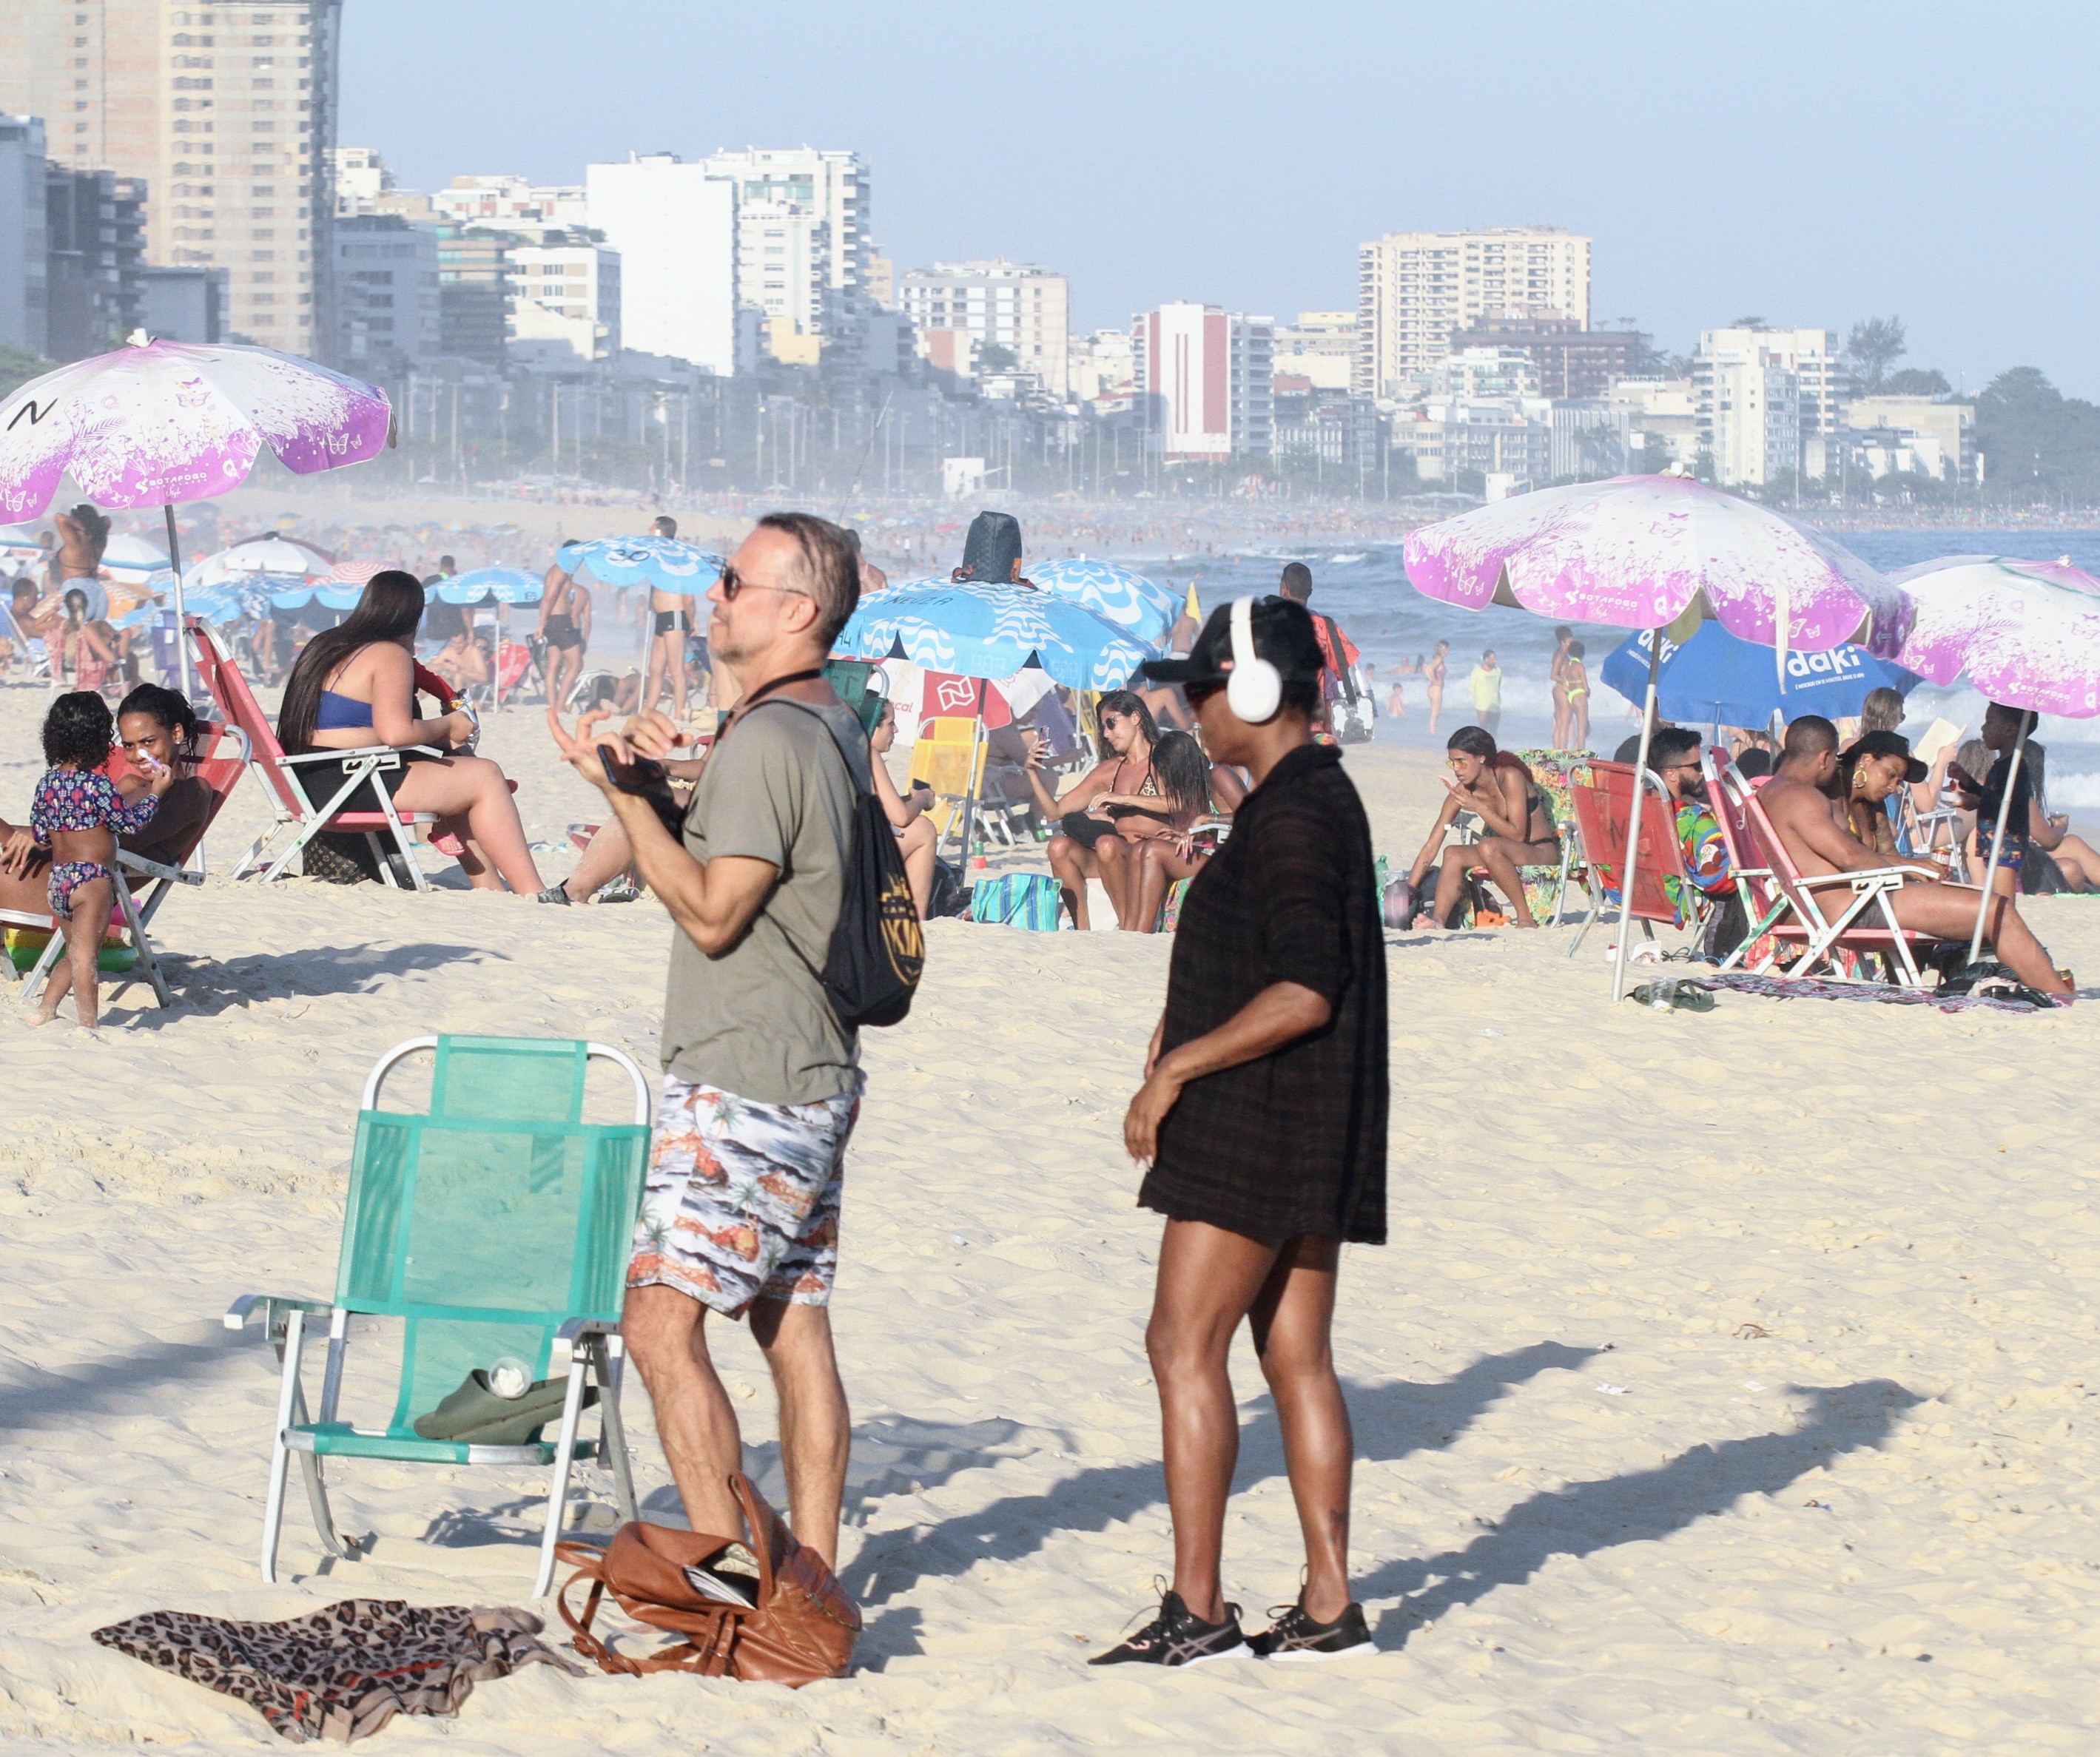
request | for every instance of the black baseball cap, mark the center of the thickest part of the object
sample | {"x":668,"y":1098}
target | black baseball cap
{"x":1282,"y":635}
{"x":1890,"y":744}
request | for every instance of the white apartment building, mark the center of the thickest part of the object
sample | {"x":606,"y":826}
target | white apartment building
{"x":1662,"y":422}
{"x":784,"y":269}
{"x":1019,"y":306}
{"x":226,"y":108}
{"x":1768,"y":403}
{"x":1415,"y":289}
{"x":1205,"y":380}
{"x":25,"y":245}
{"x":1321,"y":346}
{"x":564,"y":302}
{"x":827,"y":192}
{"x":360,"y":178}
{"x":675,"y":227}
{"x":1100,"y":369}
{"x":1937,"y":437}
{"x":1475,"y":373}
{"x":508,"y":203}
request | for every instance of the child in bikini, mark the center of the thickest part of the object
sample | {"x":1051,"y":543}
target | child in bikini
{"x":76,"y":812}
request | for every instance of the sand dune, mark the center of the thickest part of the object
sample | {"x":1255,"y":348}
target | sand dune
{"x":1725,"y":1386}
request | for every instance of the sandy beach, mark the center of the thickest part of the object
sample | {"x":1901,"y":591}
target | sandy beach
{"x":1726,"y":1386}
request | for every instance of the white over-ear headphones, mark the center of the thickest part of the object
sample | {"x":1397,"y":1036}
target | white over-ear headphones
{"x":1254,"y":690}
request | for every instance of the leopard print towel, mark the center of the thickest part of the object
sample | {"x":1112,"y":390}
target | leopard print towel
{"x":346,"y":1670}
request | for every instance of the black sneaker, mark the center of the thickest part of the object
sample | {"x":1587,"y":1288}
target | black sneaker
{"x":1296,"y":1637}
{"x":1175,"y":1638}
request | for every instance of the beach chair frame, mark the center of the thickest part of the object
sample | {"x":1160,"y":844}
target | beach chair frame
{"x":590,"y":1340}
{"x":137,"y":907}
{"x":1820,"y":934}
{"x":381,"y":765}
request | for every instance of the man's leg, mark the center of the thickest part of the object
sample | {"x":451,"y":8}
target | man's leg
{"x":1950,"y":912}
{"x":664,"y":1330}
{"x":1292,"y":1322}
{"x":816,"y":1428}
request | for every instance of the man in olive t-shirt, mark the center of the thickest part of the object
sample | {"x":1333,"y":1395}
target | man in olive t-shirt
{"x":761,"y":1082}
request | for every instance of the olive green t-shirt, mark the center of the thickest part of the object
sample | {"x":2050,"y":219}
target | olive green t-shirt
{"x":755,"y":1019}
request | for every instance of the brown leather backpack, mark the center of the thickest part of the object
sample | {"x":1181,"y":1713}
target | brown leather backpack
{"x":802,"y":1628}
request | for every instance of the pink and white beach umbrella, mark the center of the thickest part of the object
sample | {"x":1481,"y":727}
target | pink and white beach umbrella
{"x":2025,"y":633}
{"x":157,"y":422}
{"x":1649,"y":552}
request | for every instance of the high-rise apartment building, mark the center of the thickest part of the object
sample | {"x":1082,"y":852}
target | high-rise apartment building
{"x":675,"y":227}
{"x":93,"y":227}
{"x":819,"y":198}
{"x":388,"y":303}
{"x":1017,"y":307}
{"x":1768,"y":403}
{"x":1205,"y":381}
{"x":1415,"y":289}
{"x":226,"y":108}
{"x":564,"y":300}
{"x":24,"y":251}
{"x":1321,"y":347}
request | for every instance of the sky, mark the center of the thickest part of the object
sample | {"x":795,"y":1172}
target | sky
{"x":1813,"y":165}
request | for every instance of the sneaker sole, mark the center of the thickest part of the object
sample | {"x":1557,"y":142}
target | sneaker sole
{"x":1242,"y":1652}
{"x":1314,"y":1656}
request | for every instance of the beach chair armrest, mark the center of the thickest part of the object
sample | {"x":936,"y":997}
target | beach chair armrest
{"x":363,"y":750}
{"x":1862,"y":880}
{"x":575,"y":1331}
{"x":274,"y":1307}
{"x":138,"y":863}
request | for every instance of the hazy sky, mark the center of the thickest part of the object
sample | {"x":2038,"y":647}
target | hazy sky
{"x":1809,"y":164}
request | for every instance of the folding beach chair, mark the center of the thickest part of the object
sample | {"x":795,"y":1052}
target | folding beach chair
{"x":1792,"y":903}
{"x":950,"y":757}
{"x":1553,"y":771}
{"x":381,"y":765}
{"x":225,"y":757}
{"x":496,"y":1225}
{"x":1602,"y":796}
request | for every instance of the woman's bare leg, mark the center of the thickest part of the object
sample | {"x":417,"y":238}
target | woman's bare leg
{"x":1494,"y":854}
{"x":1112,"y":860}
{"x":1073,"y":865}
{"x":1292,"y":1322}
{"x":473,"y":787}
{"x":1208,"y":1278}
{"x":917,"y":844}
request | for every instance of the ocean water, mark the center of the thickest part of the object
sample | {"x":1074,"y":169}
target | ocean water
{"x":1365,"y":589}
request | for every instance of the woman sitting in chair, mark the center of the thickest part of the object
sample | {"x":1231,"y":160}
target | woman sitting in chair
{"x":353,"y":688}
{"x":1198,"y":789}
{"x":1088,"y":843}
{"x":1517,"y":828}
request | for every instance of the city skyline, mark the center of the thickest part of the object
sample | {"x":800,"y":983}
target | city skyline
{"x":1819,"y":170}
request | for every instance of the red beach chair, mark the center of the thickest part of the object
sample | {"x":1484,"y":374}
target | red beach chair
{"x":1602,"y":795}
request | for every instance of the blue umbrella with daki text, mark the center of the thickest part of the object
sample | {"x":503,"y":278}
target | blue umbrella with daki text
{"x":1711,"y":678}
{"x":665,"y":563}
{"x":977,"y":629}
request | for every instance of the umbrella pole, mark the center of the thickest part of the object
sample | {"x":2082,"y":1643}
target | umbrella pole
{"x":970,"y":782}
{"x":182,"y":622}
{"x":1633,"y":822}
{"x":1997,"y":842}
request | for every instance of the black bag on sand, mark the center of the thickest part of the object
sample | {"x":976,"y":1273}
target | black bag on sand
{"x":878,"y":949}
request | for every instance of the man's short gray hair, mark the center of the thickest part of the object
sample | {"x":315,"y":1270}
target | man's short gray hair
{"x":830,"y":567}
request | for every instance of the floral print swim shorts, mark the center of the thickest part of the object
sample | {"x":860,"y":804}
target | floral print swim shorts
{"x":742,"y":1201}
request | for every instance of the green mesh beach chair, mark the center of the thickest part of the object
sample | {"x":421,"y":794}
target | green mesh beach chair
{"x":495,"y":1225}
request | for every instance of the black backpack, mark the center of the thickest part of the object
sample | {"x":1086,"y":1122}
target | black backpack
{"x":878,"y":949}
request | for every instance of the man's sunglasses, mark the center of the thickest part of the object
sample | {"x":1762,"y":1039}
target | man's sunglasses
{"x":1200,"y":693}
{"x":733,"y":582}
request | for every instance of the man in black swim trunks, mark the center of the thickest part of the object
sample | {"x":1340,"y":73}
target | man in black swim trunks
{"x":565,"y":625}
{"x":671,"y":621}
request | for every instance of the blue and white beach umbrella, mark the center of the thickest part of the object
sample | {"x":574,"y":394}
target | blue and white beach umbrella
{"x":979,"y":630}
{"x":666,"y":563}
{"x":505,"y":585}
{"x":1139,"y":606}
{"x":1712,"y":678}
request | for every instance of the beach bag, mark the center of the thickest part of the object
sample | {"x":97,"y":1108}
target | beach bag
{"x":878,"y":949}
{"x":1017,"y":900}
{"x":791,"y":1623}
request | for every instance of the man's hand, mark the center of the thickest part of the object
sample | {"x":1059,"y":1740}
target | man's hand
{"x":1160,"y":1093}
{"x":649,"y":732}
{"x":15,"y":852}
{"x":581,"y":752}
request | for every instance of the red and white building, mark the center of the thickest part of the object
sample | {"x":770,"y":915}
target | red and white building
{"x":1205,"y":381}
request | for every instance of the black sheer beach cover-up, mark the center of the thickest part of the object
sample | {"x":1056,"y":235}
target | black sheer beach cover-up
{"x":1293,"y":1142}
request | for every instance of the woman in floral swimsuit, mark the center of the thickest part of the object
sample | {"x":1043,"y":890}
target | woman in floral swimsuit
{"x":76,"y":813}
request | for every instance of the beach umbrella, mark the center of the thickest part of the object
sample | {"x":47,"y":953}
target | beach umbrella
{"x":975,"y":629}
{"x":157,"y":422}
{"x":134,"y":556}
{"x":665,"y":564}
{"x":359,"y":573}
{"x":270,"y":554}
{"x":1712,"y":677}
{"x":19,"y":540}
{"x":1141,"y":607}
{"x":504,"y":585}
{"x":1658,"y":552}
{"x":2026,"y":634}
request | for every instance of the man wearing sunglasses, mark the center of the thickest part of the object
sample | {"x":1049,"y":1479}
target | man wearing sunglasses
{"x":762,"y":1082}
